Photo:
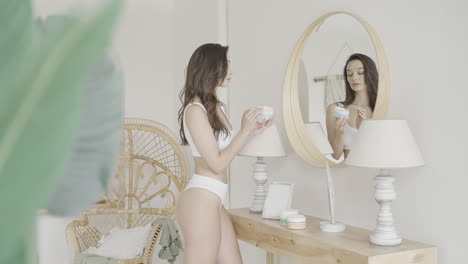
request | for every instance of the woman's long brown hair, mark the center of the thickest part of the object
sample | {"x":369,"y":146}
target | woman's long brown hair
{"x":371,"y":76}
{"x":206,"y":69}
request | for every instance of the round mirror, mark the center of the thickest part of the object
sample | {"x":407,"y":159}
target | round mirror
{"x":337,"y":76}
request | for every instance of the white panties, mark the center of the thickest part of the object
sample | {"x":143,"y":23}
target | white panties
{"x":217,"y":187}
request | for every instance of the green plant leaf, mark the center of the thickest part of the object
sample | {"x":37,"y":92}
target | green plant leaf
{"x":93,"y":158}
{"x":40,"y":111}
{"x":16,"y":33}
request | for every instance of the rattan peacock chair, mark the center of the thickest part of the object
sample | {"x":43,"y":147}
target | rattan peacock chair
{"x":153,"y":169}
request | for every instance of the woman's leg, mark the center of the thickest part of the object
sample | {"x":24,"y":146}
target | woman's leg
{"x":229,"y":252}
{"x":198,"y":217}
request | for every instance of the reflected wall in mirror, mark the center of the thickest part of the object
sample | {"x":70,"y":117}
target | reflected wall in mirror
{"x":323,"y":78}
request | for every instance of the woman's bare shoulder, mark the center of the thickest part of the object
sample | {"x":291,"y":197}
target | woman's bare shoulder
{"x":195,"y":108}
{"x":196,"y":99}
{"x":332,"y":107}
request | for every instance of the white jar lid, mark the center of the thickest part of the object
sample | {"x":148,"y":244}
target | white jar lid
{"x":267,"y":109}
{"x":340,"y":109}
{"x":287,"y":212}
{"x":296,"y":218}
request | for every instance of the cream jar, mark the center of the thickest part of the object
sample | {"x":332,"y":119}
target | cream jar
{"x":296,"y":221}
{"x":341,"y":112}
{"x":267,"y":114}
{"x":285,"y":213}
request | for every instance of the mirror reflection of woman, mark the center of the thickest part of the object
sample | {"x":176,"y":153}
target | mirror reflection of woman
{"x":361,"y":81}
{"x":208,"y":232}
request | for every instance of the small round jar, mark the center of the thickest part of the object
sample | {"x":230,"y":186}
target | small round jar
{"x":341,"y":112}
{"x":267,"y":114}
{"x":285,"y":213}
{"x":296,"y":221}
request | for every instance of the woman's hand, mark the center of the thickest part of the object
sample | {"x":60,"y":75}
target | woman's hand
{"x":340,"y":123}
{"x":249,"y":120}
{"x":361,"y":111}
{"x":262,"y":126}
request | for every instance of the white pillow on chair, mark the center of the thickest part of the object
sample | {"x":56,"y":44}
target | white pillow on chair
{"x":121,"y":243}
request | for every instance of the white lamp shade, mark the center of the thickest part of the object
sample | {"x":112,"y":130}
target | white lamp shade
{"x":384,"y":144}
{"x":320,"y":140}
{"x":265,"y":144}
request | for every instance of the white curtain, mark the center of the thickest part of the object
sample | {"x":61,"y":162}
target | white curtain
{"x":335,"y":90}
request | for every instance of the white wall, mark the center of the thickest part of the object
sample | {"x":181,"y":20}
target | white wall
{"x":426,"y":44}
{"x":155,"y":41}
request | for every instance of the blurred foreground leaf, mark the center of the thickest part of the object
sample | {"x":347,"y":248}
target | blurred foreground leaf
{"x":42,"y":87}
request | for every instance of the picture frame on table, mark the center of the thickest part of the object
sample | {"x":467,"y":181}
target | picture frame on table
{"x":278,"y":198}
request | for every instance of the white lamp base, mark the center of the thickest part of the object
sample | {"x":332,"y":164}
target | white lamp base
{"x":383,"y":240}
{"x":327,"y":226}
{"x":260,"y":176}
{"x":385,"y":233}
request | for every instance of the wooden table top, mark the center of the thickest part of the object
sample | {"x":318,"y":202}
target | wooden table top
{"x":271,"y":235}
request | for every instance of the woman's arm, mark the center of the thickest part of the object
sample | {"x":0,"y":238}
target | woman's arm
{"x":335,"y":131}
{"x":205,"y":141}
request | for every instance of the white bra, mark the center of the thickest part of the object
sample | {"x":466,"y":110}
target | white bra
{"x":223,"y":139}
{"x":350,"y":134}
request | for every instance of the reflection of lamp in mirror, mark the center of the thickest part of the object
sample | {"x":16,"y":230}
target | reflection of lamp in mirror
{"x":265,"y":144}
{"x":316,"y":133}
{"x":385,"y":144}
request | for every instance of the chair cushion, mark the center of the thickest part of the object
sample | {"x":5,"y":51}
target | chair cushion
{"x":122,"y":243}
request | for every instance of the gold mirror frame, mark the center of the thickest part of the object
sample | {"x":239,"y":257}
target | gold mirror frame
{"x":292,"y":116}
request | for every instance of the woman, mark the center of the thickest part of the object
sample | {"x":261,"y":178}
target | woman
{"x":207,"y":230}
{"x":362,"y":81}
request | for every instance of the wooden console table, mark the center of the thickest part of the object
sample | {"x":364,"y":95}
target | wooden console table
{"x":315,"y":247}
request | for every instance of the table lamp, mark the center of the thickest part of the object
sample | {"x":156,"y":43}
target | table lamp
{"x":265,"y":144}
{"x":320,"y":140}
{"x":384,"y":144}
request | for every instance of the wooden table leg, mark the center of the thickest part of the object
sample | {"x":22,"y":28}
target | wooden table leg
{"x":270,"y":258}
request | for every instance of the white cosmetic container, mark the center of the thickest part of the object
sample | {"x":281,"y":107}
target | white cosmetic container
{"x":341,"y":112}
{"x":286,"y":213}
{"x":267,"y":114}
{"x":297,"y":221}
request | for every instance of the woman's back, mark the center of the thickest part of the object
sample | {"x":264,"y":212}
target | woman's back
{"x":223,"y":140}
